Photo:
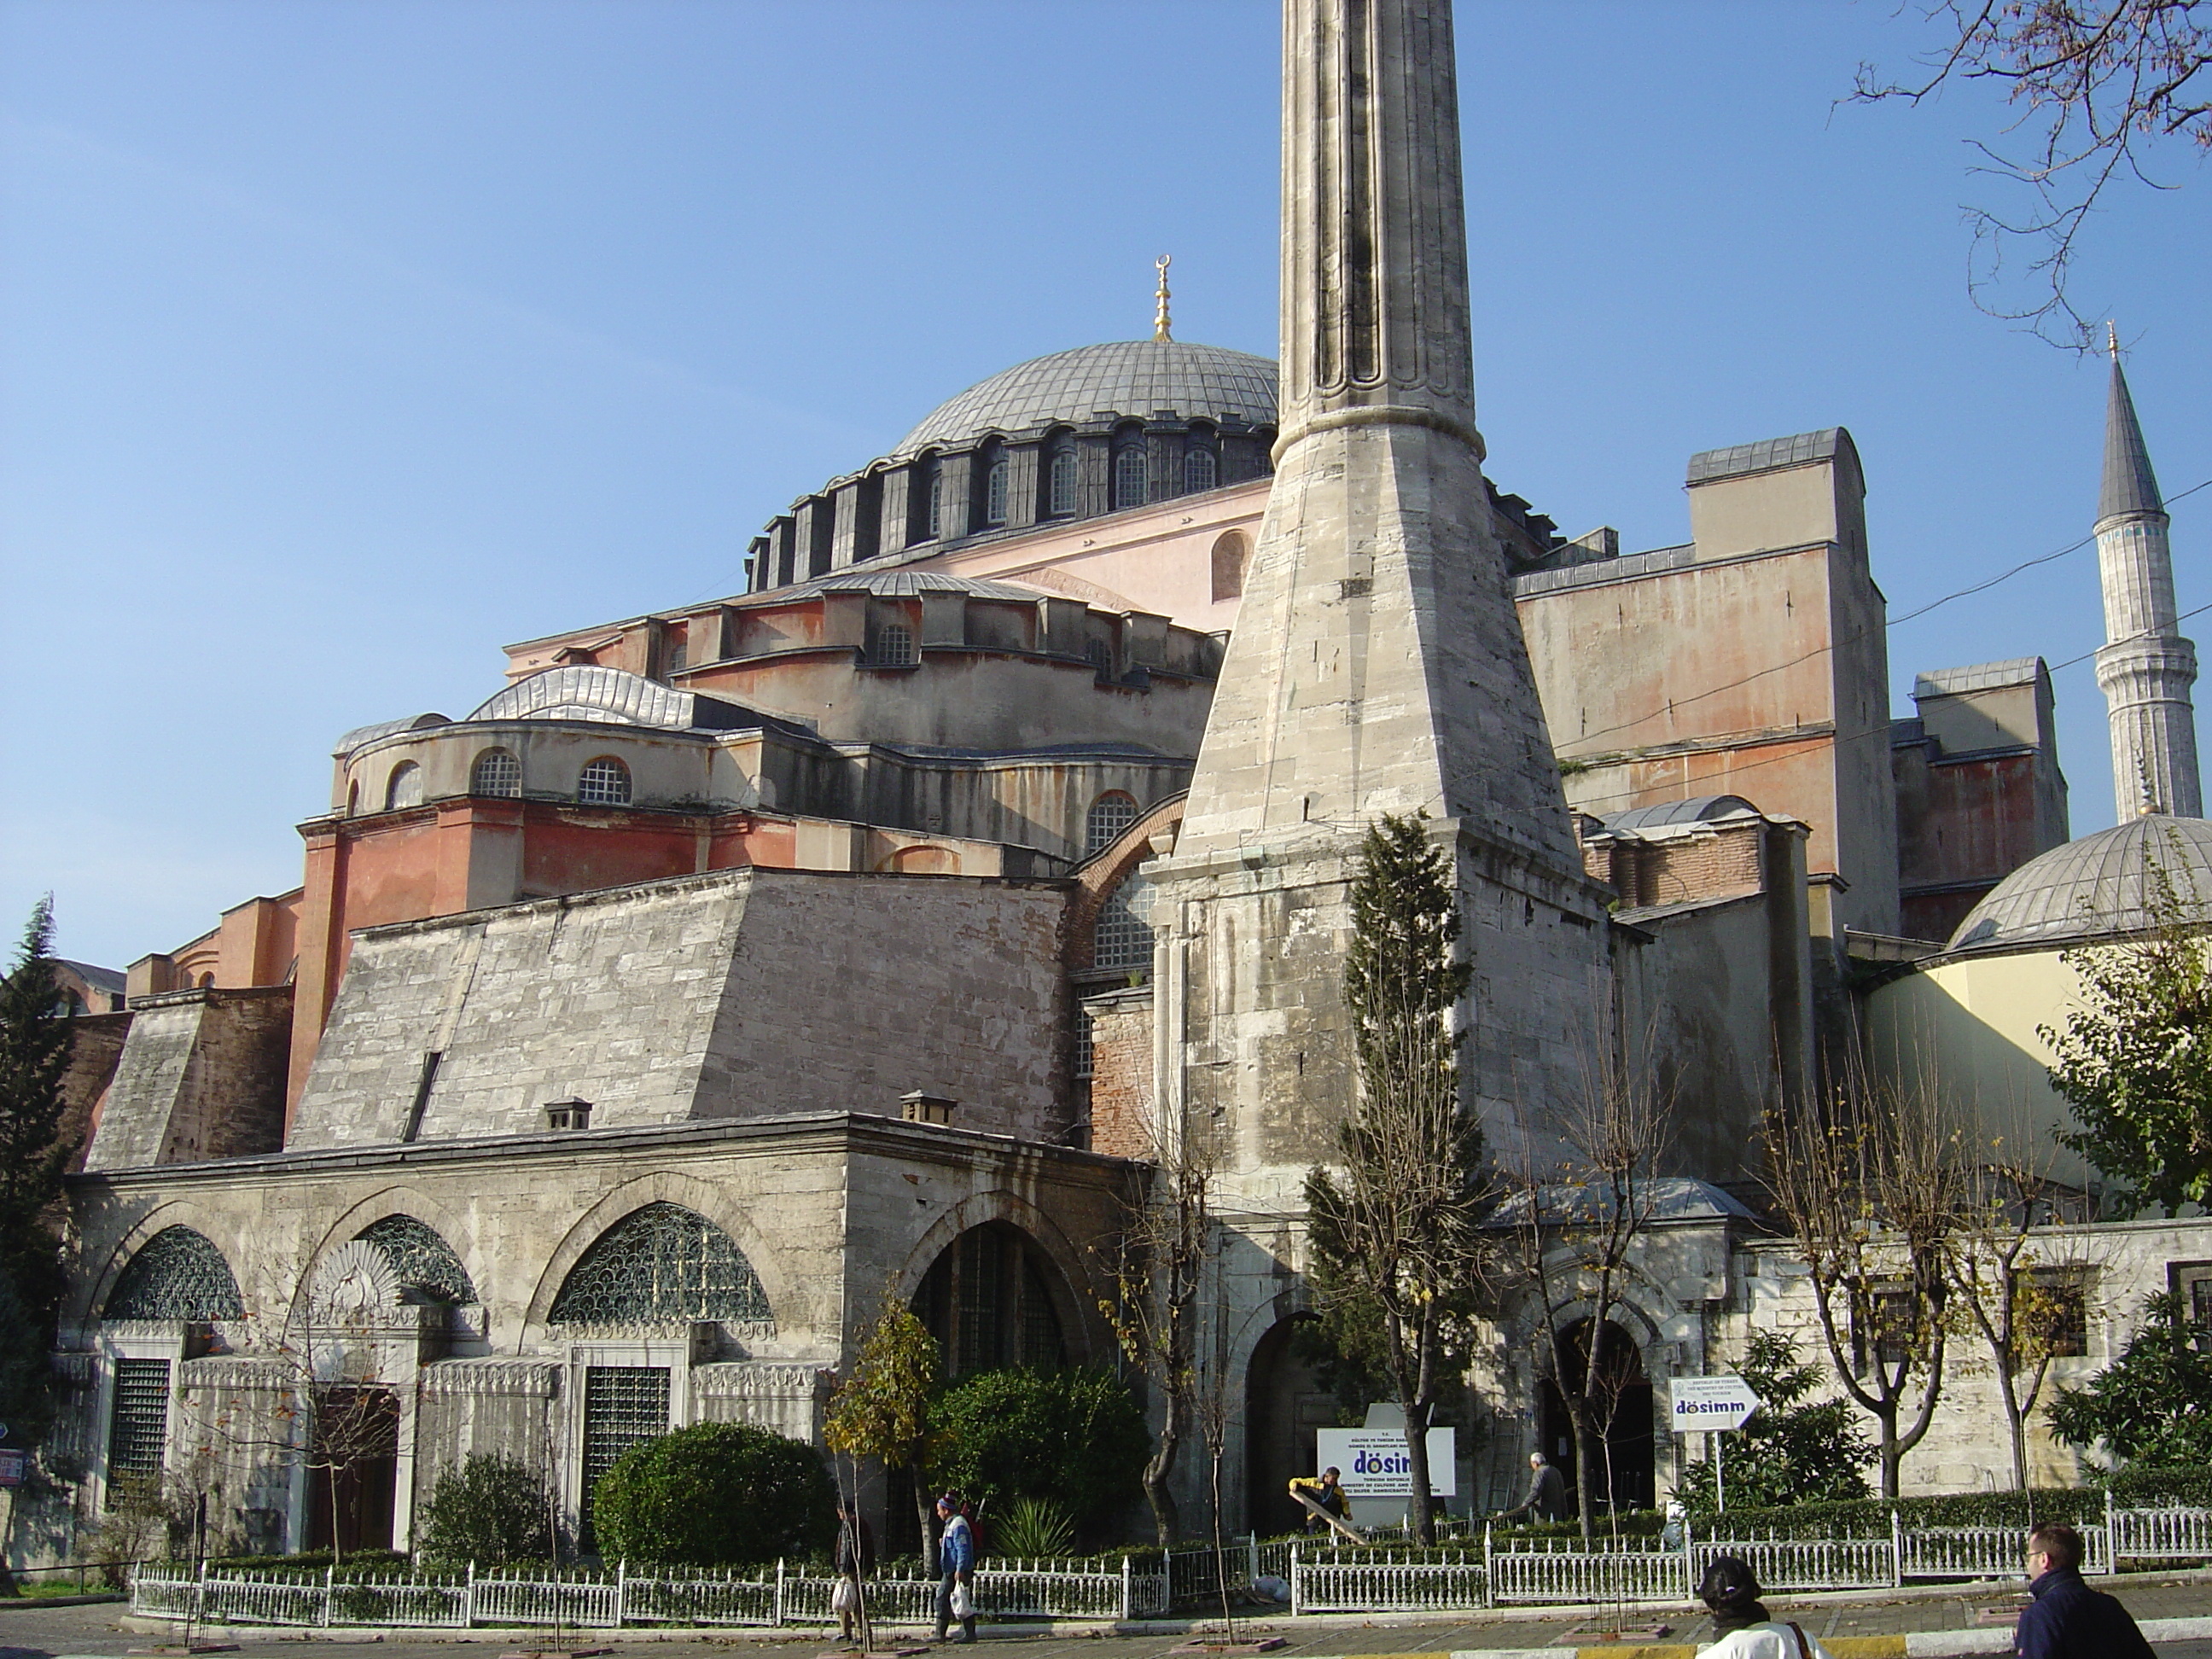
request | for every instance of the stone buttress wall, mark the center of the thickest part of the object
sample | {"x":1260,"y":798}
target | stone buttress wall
{"x":201,"y":1075}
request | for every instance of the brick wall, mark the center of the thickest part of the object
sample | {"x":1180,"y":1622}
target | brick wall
{"x":1122,"y":1073}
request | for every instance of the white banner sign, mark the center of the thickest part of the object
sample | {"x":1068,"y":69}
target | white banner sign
{"x":1704,"y":1404}
{"x":1375,"y":1463}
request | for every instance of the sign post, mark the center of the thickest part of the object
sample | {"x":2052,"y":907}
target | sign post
{"x":1717,"y":1405}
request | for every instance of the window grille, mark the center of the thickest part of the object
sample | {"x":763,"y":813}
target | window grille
{"x":662,"y":1264}
{"x":1130,"y":480}
{"x":934,"y":521}
{"x":994,"y":493}
{"x":1121,"y":940}
{"x":138,"y":1429}
{"x":1199,"y":470}
{"x":1102,"y":657}
{"x":405,"y":787}
{"x":497,"y":773}
{"x":1110,"y":814}
{"x":177,"y":1274}
{"x":987,"y":1302}
{"x":1086,"y":1050}
{"x":2200,"y":1301}
{"x":2067,"y":1315}
{"x":422,"y":1263}
{"x":893,"y":645}
{"x":1060,"y":500}
{"x":604,"y":783}
{"x":679,"y":655}
{"x":625,"y":1405}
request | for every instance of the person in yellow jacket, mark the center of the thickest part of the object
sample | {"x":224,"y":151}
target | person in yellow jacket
{"x":1324,"y":1491}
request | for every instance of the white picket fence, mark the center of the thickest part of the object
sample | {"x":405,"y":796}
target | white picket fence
{"x":1322,"y":1578}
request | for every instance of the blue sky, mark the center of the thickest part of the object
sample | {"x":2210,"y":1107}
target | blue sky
{"x":345,"y":343}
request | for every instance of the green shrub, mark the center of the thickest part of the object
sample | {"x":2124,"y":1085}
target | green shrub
{"x":486,"y":1508}
{"x":714,"y":1495}
{"x":2142,"y":1488}
{"x":1034,"y":1528}
{"x":1075,"y":1436}
{"x":1869,"y":1517}
{"x":1793,"y":1448}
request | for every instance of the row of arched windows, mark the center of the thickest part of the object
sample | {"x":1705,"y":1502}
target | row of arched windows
{"x":1129,"y":481}
{"x":603,"y":782}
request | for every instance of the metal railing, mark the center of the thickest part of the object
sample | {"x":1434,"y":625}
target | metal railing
{"x":2159,"y":1535}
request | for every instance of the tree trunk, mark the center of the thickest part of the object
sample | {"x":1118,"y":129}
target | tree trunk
{"x":925,"y":1511}
{"x":1417,"y":1466}
{"x":1167,"y":1522}
{"x":1892,"y":1453}
{"x":1586,"y":1444}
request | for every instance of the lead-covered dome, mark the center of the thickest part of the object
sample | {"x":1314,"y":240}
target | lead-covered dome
{"x":1136,"y":378}
{"x":2099,"y":885}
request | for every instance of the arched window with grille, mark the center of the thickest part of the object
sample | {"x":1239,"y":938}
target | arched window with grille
{"x":176,"y":1274}
{"x":421,"y":1261}
{"x":989,"y":1300}
{"x":1199,"y":469}
{"x":995,"y":471}
{"x":604,"y":783}
{"x":1059,"y":485}
{"x":1131,"y":478}
{"x":1110,"y":815}
{"x":933,"y":517}
{"x":404,"y":788}
{"x":496,"y":773}
{"x":1121,"y":941}
{"x":661,"y":1265}
{"x":894,"y":647}
{"x":1228,"y":556}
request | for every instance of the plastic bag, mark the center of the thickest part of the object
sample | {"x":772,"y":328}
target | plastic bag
{"x":964,"y":1607}
{"x":846,"y":1598}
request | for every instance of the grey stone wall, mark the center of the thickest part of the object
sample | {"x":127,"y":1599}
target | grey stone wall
{"x":201,"y":1075}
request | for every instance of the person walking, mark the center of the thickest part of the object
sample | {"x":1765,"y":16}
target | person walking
{"x":956,"y":1559}
{"x":1547,"y":1493}
{"x":2068,"y":1620}
{"x":855,"y":1560}
{"x":1743,"y":1627}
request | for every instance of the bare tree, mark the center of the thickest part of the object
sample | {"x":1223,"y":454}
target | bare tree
{"x":2098,"y":82}
{"x":1578,"y":1219}
{"x":1872,"y":1197}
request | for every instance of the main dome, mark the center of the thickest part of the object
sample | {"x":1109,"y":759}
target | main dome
{"x":2092,"y":888}
{"x":1122,"y":377}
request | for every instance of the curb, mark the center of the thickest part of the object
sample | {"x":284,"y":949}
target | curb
{"x":88,"y":1599}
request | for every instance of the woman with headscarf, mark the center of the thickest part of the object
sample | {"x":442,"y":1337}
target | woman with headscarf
{"x":1745,"y":1629}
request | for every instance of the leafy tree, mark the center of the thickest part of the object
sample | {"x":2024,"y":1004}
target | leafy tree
{"x":34,"y":1050}
{"x":1397,"y":1227}
{"x":2153,"y":1404}
{"x":714,"y":1495}
{"x":1075,"y":1436}
{"x":2134,"y":1061}
{"x":1791,"y":1450}
{"x":2100,"y":85}
{"x":489,"y":1510}
{"x":882,"y":1410}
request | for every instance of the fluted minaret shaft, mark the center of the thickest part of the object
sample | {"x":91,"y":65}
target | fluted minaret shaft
{"x":2146,"y":668}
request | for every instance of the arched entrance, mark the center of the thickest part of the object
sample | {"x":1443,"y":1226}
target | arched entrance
{"x":1630,"y":1473}
{"x":1285,"y":1402}
{"x":989,"y":1299}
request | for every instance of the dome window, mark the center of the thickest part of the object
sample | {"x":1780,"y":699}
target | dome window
{"x":404,"y":789}
{"x":1110,"y":814}
{"x":1131,"y":480}
{"x":995,"y":490}
{"x":894,"y":647}
{"x":497,"y":773}
{"x":932,"y":514}
{"x":1060,"y":492}
{"x":1121,"y":941}
{"x":1201,"y":470}
{"x":604,"y":783}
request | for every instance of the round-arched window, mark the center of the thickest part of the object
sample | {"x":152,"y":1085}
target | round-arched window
{"x":1200,"y":469}
{"x":933,"y":514}
{"x":1121,"y":940}
{"x":353,"y":797}
{"x":894,"y":647}
{"x":1060,"y":492}
{"x":497,"y":773}
{"x":1110,"y":815}
{"x":995,"y":490}
{"x":404,"y":789}
{"x":1131,"y":479}
{"x":1228,"y":556}
{"x":604,"y":783}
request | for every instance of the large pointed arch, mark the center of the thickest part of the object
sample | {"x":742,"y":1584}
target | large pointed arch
{"x":177,"y":1274}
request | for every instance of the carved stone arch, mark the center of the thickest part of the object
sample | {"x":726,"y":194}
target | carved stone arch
{"x":1076,"y":1317}
{"x":213,"y":1224}
{"x":690,"y":1193}
{"x":397,"y":1200}
{"x":1096,"y":878}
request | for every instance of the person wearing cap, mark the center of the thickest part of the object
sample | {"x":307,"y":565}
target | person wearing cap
{"x":1324,"y":1492}
{"x":955,"y":1559}
{"x":2068,"y":1620}
{"x":1743,"y":1627}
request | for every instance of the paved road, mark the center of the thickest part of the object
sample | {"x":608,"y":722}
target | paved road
{"x":31,"y":1631}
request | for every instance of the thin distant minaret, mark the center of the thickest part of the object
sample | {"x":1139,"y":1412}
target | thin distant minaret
{"x":2146,"y":668}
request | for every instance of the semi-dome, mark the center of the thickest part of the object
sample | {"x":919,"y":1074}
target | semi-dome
{"x":1122,"y":377}
{"x":2092,"y":888}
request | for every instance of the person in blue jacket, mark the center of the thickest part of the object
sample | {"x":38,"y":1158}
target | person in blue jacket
{"x":955,"y":1559}
{"x":2068,"y":1620}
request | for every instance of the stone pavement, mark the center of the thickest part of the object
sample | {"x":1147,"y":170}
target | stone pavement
{"x":1854,"y":1625}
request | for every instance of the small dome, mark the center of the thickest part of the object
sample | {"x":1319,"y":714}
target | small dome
{"x":1122,"y":377}
{"x":2099,"y":885}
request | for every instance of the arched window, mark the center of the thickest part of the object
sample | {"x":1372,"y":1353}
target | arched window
{"x":1121,"y":940}
{"x":1102,"y":657}
{"x":497,"y":773}
{"x":1229,"y":555}
{"x":353,"y":797}
{"x":422,"y":1263}
{"x":994,"y":488}
{"x":662,"y":1264}
{"x":933,"y":508}
{"x":988,"y":1301}
{"x":1110,"y":815}
{"x":404,"y":789}
{"x":1131,"y":479}
{"x":1200,"y":469}
{"x":176,"y":1274}
{"x":894,"y":647}
{"x":1060,"y":491}
{"x":604,"y":783}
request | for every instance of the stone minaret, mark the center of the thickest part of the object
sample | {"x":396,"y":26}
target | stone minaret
{"x":2146,"y":668}
{"x":1377,"y":664}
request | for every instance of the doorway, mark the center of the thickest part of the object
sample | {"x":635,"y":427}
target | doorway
{"x":1629,"y":1475}
{"x":354,"y":1469}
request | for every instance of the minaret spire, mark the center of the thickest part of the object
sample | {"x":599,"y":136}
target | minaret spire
{"x":2146,"y":668}
{"x":1160,"y":316}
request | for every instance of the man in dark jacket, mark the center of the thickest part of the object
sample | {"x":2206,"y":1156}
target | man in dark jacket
{"x":1548,"y":1494}
{"x":2068,"y":1620}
